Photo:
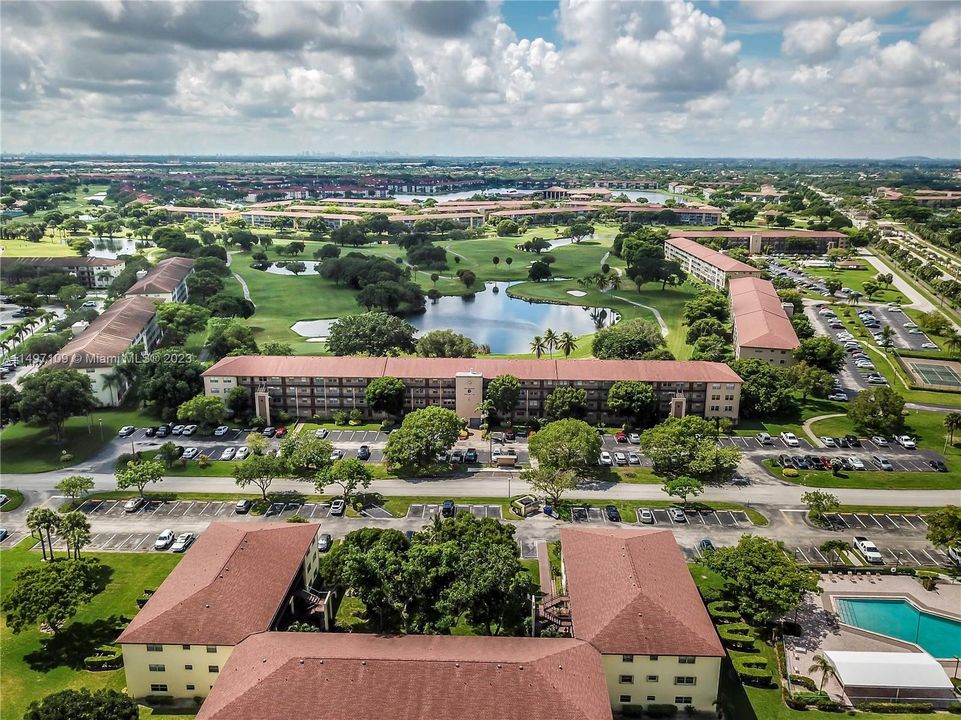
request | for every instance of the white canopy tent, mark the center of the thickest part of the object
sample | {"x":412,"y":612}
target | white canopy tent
{"x":890,"y":676}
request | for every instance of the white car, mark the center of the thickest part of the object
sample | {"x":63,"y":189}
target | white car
{"x":182,"y":543}
{"x":633,"y":458}
{"x":133,"y":504}
{"x":790,"y":439}
{"x":868,"y":549}
{"x":910,"y":325}
{"x":606,"y":458}
{"x":856,"y":463}
{"x":321,"y":433}
{"x":915,"y":331}
{"x":164,"y":540}
{"x":764,"y":439}
{"x":838,"y":397}
{"x":189,"y":430}
{"x":228,"y":453}
{"x":242,"y":453}
{"x":337,"y":507}
{"x":620,"y":458}
{"x":828,"y":441}
{"x":645,"y":516}
{"x":336,"y":454}
{"x":634,"y":439}
{"x":190,"y":453}
{"x":905,"y":441}
{"x":221,"y":431}
{"x":929,"y":346}
{"x":127,"y":431}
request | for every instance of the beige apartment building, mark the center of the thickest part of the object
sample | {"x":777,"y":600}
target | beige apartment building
{"x":770,"y":242}
{"x":305,"y":386}
{"x":760,"y":325}
{"x":166,"y":281}
{"x":707,"y":265}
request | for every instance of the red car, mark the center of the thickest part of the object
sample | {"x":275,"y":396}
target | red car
{"x":620,"y":437}
{"x":825,"y":462}
{"x":281,"y":431}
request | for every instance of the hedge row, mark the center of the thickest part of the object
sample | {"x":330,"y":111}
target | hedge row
{"x":891,"y":707}
{"x":652,"y":711}
{"x":739,"y":636}
{"x":805,"y":682}
{"x":105,"y":657}
{"x":723,"y":610}
{"x":753,"y":670}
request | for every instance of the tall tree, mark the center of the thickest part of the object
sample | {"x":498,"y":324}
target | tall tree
{"x":566,"y":402}
{"x":683,"y":488}
{"x":879,"y":409}
{"x":550,"y":481}
{"x":43,"y":522}
{"x":566,"y":343}
{"x":349,"y":474}
{"x":52,"y":395}
{"x":305,"y":455}
{"x":84,"y":704}
{"x":373,"y":333}
{"x":952,"y":423}
{"x":820,"y":664}
{"x":75,"y":530}
{"x":633,"y":400}
{"x":385,"y":394}
{"x":567,"y":446}
{"x":75,"y":486}
{"x":140,"y":474}
{"x":626,"y":340}
{"x":503,"y":392}
{"x":50,"y":594}
{"x":445,"y":343}
{"x":944,"y":527}
{"x":259,"y":471}
{"x":422,"y":436}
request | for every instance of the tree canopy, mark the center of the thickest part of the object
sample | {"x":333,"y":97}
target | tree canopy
{"x":423,"y":435}
{"x":385,"y":394}
{"x":879,"y":409}
{"x":50,"y":396}
{"x":50,"y":594}
{"x":84,"y":704}
{"x":633,"y":400}
{"x":766,"y":391}
{"x":372,"y":333}
{"x":567,"y":446}
{"x":445,"y":343}
{"x":687,"y":447}
{"x":626,"y":340}
{"x":566,"y":402}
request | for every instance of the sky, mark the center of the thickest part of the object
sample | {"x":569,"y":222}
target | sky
{"x":722,"y":78}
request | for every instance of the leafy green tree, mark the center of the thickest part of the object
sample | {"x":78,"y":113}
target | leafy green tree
{"x":72,"y":295}
{"x":763,"y":582}
{"x":276,"y":348}
{"x":632,"y":399}
{"x":229,"y":336}
{"x":821,"y":352}
{"x":952,"y":423}
{"x":578,"y":231}
{"x":810,"y":380}
{"x":503,"y":392}
{"x":566,"y":402}
{"x":84,"y":704}
{"x":833,"y":285}
{"x":75,"y":486}
{"x":50,"y":594}
{"x":707,"y":304}
{"x":9,"y":404}
{"x":201,"y":286}
{"x":259,"y":471}
{"x":626,"y":340}
{"x":305,"y":455}
{"x":507,"y":228}
{"x":742,"y":214}
{"x":239,"y":402}
{"x":567,"y":446}
{"x":385,"y":394}
{"x":178,"y":320}
{"x":257,"y":443}
{"x":373,"y":333}
{"x":820,"y":503}
{"x":687,"y":447}
{"x":551,"y":482}
{"x":421,"y":437}
{"x":766,"y":390}
{"x":139,"y":475}
{"x":539,"y":270}
{"x":75,"y":530}
{"x":705,"y":327}
{"x":445,"y":343}
{"x":349,"y":474}
{"x":944,"y":527}
{"x":205,"y":410}
{"x":683,"y":488}
{"x":52,"y":395}
{"x":168,"y":454}
{"x":169,"y":378}
{"x":879,"y":409}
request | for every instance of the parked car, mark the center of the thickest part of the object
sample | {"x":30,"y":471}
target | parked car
{"x":228,"y":453}
{"x":189,"y":430}
{"x":842,"y":442}
{"x":164,"y":540}
{"x":447,"y":508}
{"x":127,"y":431}
{"x":190,"y":453}
{"x":184,"y":540}
{"x":856,"y":463}
{"x":706,"y":546}
{"x":336,"y":454}
{"x":242,"y":453}
{"x":879,"y":441}
{"x":149,"y":432}
{"x":177,"y":429}
{"x":646,"y":516}
{"x":633,"y":458}
{"x":324,"y":542}
{"x":134,"y":504}
{"x":876,"y":380}
{"x":764,"y":438}
{"x":784,"y":460}
{"x":3,"y":534}
{"x":790,"y":439}
{"x":612,"y":513}
{"x":620,"y":458}
{"x":838,"y":397}
{"x":470,"y":455}
{"x":634,"y":439}
{"x":620,"y":436}
{"x":929,"y":346}
{"x":510,"y":435}
{"x":825,"y":462}
{"x":853,"y":441}
{"x":338,"y":507}
{"x":243,"y":506}
{"x":905,"y":441}
{"x":939,"y":466}
{"x":606,"y":458}
{"x":221,"y":431}
{"x":363,"y":453}
{"x":321,"y":433}
{"x":677,"y":515}
{"x":281,"y":432}
{"x":268,"y":431}
{"x":868,"y":549}
{"x":828,"y":441}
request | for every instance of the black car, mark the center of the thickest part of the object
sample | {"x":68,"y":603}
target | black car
{"x":470,"y":455}
{"x":612,"y":513}
{"x":509,"y":435}
{"x":447,"y":508}
{"x":579,"y":514}
{"x":706,"y":546}
{"x":813,"y":462}
{"x":363,"y":453}
{"x":798,"y":463}
{"x":409,"y":534}
{"x":150,"y":432}
{"x":324,"y":542}
{"x":842,"y":442}
{"x":243,"y":506}
{"x":939,"y":466}
{"x":852,"y":440}
{"x":163,"y":430}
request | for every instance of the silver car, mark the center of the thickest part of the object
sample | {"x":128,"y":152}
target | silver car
{"x":645,"y":516}
{"x":228,"y":453}
{"x":183,"y":542}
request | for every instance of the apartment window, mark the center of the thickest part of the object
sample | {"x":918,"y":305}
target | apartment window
{"x":627,"y":658}
{"x":158,"y":687}
{"x":652,"y":678}
{"x":154,"y":648}
{"x":625,"y":679}
{"x":211,"y":648}
{"x":685,"y":680}
{"x":728,"y":408}
{"x":652,"y":657}
{"x":683,"y":700}
{"x":686,"y":660}
{"x":190,"y":687}
{"x":728,"y":397}
{"x":157,"y":668}
{"x":715,"y":408}
{"x":188,"y":667}
{"x":213,"y":668}
{"x":185,"y":647}
{"x":650,"y":698}
{"x":625,"y":698}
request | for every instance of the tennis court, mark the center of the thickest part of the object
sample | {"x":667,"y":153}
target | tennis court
{"x":943,"y":374}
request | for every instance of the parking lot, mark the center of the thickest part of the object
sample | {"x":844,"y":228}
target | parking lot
{"x":427,"y":511}
{"x":904,"y":338}
{"x":850,"y":376}
{"x":750,"y":442}
{"x":201,"y":509}
{"x":906,"y":524}
{"x":893,"y":556}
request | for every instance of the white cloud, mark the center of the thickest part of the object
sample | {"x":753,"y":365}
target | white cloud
{"x":813,"y":39}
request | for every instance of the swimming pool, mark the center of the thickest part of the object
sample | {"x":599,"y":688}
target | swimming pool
{"x":937,"y":635}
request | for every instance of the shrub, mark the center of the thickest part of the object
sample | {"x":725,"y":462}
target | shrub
{"x":805,"y":682}
{"x":105,"y":657}
{"x":752,"y":670}
{"x":829,"y":706}
{"x":340,"y":417}
{"x":891,"y":707}
{"x":723,"y":610}
{"x":790,"y":472}
{"x":661,"y":710}
{"x":632,"y":711}
{"x":159,"y":699}
{"x":809,"y":698}
{"x":955,"y":708}
{"x":296,"y":519}
{"x":736,"y":635}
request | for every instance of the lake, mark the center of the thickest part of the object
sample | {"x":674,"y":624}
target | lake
{"x":493,"y":318}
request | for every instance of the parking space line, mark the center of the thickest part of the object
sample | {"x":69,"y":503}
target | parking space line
{"x":799,"y":551}
{"x":911,"y":555}
{"x":908,"y":522}
{"x":929,"y":556}
{"x":877,"y":521}
{"x":852,"y":516}
{"x":145,"y":539}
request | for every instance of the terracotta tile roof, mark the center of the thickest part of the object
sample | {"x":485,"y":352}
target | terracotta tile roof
{"x":631,"y":593}
{"x":164,"y":277}
{"x":229,"y":585}
{"x":411,"y":367}
{"x":747,"y":234}
{"x":710,"y":256}
{"x":109,"y":336}
{"x":758,"y":316}
{"x":332,"y":676}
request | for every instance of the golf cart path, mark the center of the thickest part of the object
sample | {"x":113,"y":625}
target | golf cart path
{"x":816,"y":441}
{"x":654,"y":311}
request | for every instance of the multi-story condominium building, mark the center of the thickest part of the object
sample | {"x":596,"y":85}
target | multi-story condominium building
{"x":212,"y":215}
{"x":760,"y":324}
{"x":91,"y":272}
{"x":630,"y":595}
{"x":128,"y":327}
{"x":167,"y":280}
{"x":770,"y":242}
{"x":707,"y":265}
{"x":621,"y":184}
{"x":305,"y":386}
{"x":235,"y":581}
{"x":683,"y":214}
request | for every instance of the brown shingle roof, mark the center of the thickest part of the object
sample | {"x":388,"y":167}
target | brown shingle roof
{"x":410,"y":367}
{"x":109,"y":336}
{"x":164,"y":277}
{"x":229,"y":585}
{"x":713,"y":257}
{"x":759,"y":319}
{"x":63,"y":262}
{"x":631,"y":593}
{"x":329,"y":676}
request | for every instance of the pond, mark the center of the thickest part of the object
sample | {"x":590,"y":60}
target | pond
{"x":310,"y":266}
{"x":108,"y":248}
{"x":493,"y":318}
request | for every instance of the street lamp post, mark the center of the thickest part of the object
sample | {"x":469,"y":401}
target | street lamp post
{"x":101,"y":428}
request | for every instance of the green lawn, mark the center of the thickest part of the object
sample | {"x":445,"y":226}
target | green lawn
{"x":807,"y":409}
{"x":47,"y":247}
{"x":855,"y":280}
{"x":31,"y":448}
{"x":14,"y":500}
{"x":874,"y":479}
{"x":35,"y":665}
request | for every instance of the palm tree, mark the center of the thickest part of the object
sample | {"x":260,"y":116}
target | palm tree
{"x":567,"y":343}
{"x":614,"y":281}
{"x":550,"y":340}
{"x":854,"y":297}
{"x":537,"y":346}
{"x":33,"y":525}
{"x":953,"y":340}
{"x":952,"y":422}
{"x":820,"y":664}
{"x":45,"y":520}
{"x":887,"y":336}
{"x":75,"y":529}
{"x":111,"y":381}
{"x":586,"y":282}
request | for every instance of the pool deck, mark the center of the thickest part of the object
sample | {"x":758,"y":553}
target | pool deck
{"x":823,"y":630}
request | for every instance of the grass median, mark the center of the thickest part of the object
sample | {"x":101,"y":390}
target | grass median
{"x":869,"y":479}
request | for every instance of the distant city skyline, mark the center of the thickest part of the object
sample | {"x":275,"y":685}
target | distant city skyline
{"x":831,"y":79}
